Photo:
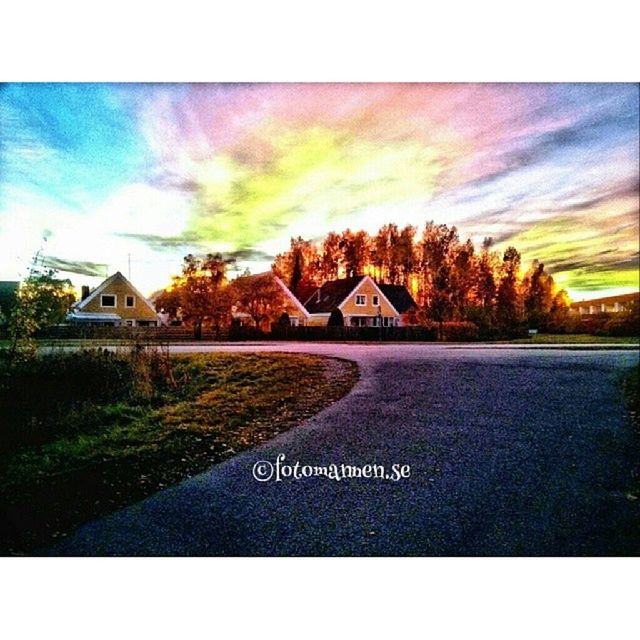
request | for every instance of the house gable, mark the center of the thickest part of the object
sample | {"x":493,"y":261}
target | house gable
{"x":399,"y":297}
{"x":331,"y":294}
{"x":360,"y":302}
{"x":120,"y":289}
{"x":294,"y":306}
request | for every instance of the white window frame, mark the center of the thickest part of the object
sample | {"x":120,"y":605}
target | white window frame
{"x":361,"y":295}
{"x":133,"y":306}
{"x":375,"y":300}
{"x":109,"y":306}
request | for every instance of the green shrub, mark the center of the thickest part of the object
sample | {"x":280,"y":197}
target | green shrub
{"x":46,"y":396}
{"x":619,"y":327}
{"x":459,"y":331}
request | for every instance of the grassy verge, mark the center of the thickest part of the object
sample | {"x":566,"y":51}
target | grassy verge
{"x":96,"y":457}
{"x":632,"y":396}
{"x":549,"y":338}
{"x":630,"y":385}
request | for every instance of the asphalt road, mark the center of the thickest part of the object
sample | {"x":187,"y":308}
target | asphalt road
{"x":512,"y":451}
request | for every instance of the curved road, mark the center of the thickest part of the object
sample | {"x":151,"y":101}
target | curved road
{"x":512,"y":451}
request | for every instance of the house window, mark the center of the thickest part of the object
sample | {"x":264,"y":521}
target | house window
{"x":129,"y":323}
{"x":107,"y":301}
{"x":375,"y":300}
{"x":130,"y":301}
{"x":361,"y":300}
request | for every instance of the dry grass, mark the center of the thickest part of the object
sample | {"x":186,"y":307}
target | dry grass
{"x":221,"y":404}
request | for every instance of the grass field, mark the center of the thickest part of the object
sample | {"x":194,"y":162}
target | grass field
{"x":541,"y":338}
{"x":93,"y":457}
{"x":631,"y":390}
{"x":579,"y":338}
{"x":632,"y":395}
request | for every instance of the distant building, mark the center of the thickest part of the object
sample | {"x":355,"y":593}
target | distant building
{"x":610,"y":304}
{"x":115,"y":302}
{"x":362,"y":302}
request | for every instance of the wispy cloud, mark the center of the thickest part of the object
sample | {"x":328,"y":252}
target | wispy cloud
{"x":241,"y":168}
{"x":93,"y":269}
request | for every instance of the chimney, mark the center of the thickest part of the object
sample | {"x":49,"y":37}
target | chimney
{"x":85,"y":291}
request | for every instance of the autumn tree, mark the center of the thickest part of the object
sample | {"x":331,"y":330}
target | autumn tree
{"x":331,"y":257}
{"x":486,"y":285}
{"x":509,"y":307}
{"x":449,"y":279}
{"x":169,"y":300}
{"x":403,"y":255}
{"x":559,"y":312}
{"x":480,"y":308}
{"x":260,"y":296}
{"x":203,"y":292}
{"x":538,"y":293}
{"x":393,"y":268}
{"x":439,"y":307}
{"x":354,"y":248}
{"x":299,"y":267}
{"x":381,"y":254}
{"x":463,"y":278}
{"x":297,"y":271}
{"x":436,"y":247}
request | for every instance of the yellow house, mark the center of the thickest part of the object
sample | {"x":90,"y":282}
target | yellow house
{"x":363,"y":303}
{"x":115,"y":302}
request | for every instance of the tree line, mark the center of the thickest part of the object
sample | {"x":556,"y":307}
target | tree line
{"x":204,"y":295}
{"x":450,"y":279}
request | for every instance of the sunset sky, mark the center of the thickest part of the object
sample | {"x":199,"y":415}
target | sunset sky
{"x":153,"y":172}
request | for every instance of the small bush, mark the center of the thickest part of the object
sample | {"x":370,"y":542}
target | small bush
{"x":240,"y":333}
{"x":459,"y":331}
{"x":621,"y":327}
{"x":336,"y":319}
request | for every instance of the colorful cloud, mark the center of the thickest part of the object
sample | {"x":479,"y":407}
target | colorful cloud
{"x":149,"y":172}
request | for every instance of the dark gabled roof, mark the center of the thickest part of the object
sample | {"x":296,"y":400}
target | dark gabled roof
{"x":398,"y":296}
{"x":332,"y":294}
